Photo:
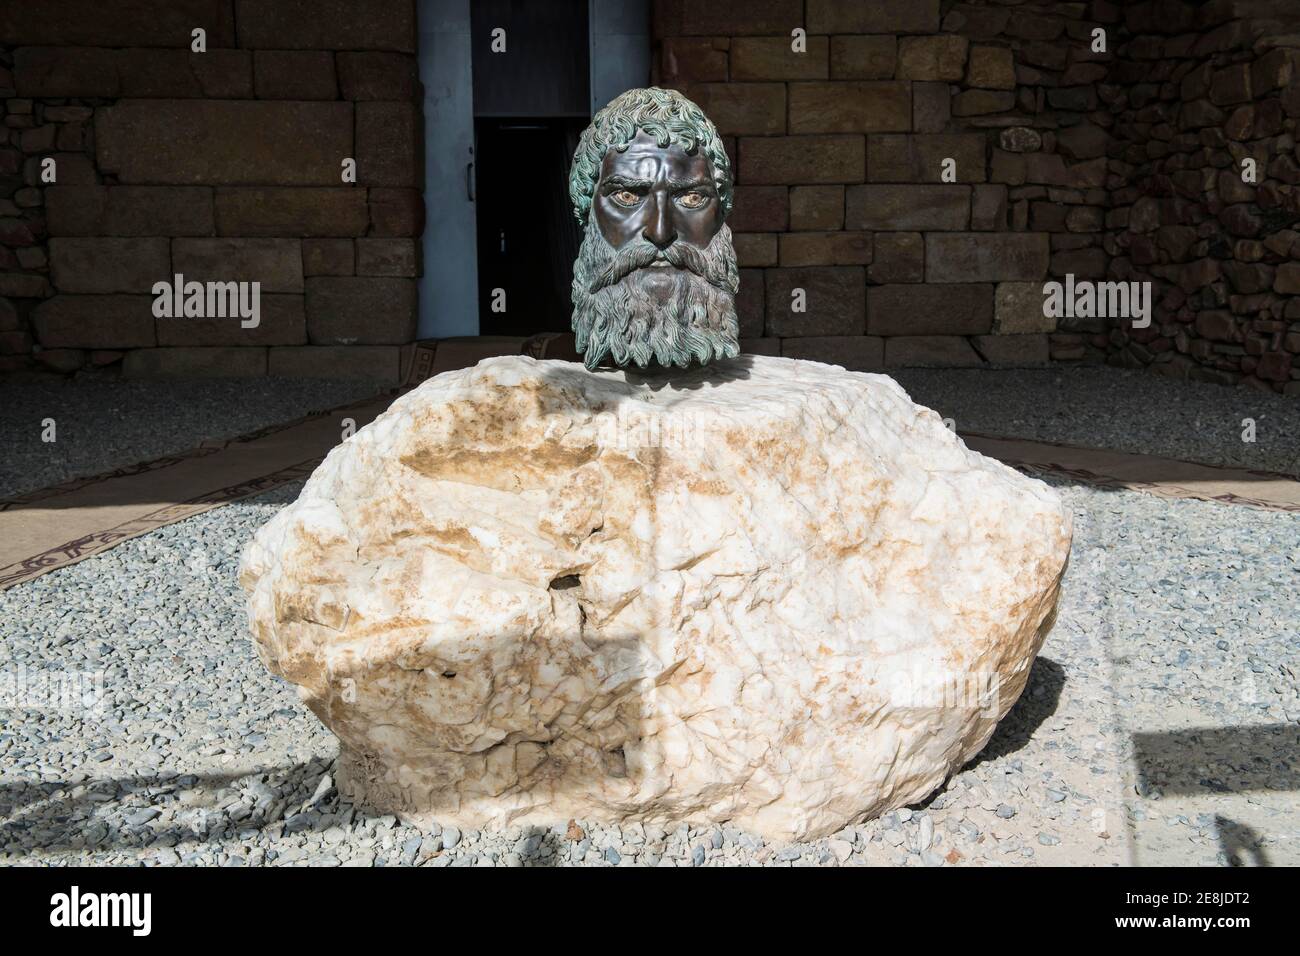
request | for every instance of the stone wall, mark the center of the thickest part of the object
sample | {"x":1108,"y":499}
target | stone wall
{"x":839,"y":152}
{"x":223,"y":165}
{"x":1197,"y":91}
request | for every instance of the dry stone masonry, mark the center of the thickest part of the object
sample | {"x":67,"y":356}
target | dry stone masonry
{"x":1054,"y":138}
{"x":218,"y":165}
{"x":913,"y":171}
{"x":1206,"y":191}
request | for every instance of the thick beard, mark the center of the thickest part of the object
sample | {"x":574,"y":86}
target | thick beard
{"x":621,"y":319}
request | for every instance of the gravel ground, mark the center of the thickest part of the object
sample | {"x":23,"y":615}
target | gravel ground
{"x":1122,"y":409}
{"x":105,"y":425}
{"x":1174,"y":652}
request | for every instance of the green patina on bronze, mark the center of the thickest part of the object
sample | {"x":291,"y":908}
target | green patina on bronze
{"x":656,"y":277}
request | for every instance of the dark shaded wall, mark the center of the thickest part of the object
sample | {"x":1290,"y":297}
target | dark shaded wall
{"x":222,"y":165}
{"x":1198,"y":90}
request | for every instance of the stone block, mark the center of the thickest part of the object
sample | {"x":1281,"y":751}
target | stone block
{"x":897,"y":257}
{"x":988,"y":211}
{"x":873,"y":16}
{"x":982,"y":102}
{"x":931,"y":107}
{"x":173,"y":74}
{"x":692,"y":59}
{"x":920,"y":309}
{"x":1287,"y":280}
{"x":1018,"y":309}
{"x":360,"y":311}
{"x":907,"y":208}
{"x":919,"y":158}
{"x":771,"y":58}
{"x":991,"y":68}
{"x":858,"y":353}
{"x":282,"y":320}
{"x":760,"y":346}
{"x":850,"y":106}
{"x":380,"y":364}
{"x":66,"y":71}
{"x":95,"y":322}
{"x":294,"y":75}
{"x":388,"y":257}
{"x":292,"y":211}
{"x":817,"y":208}
{"x":328,"y":257}
{"x":101,"y":265}
{"x":116,"y":23}
{"x":802,"y":159}
{"x":1083,"y":141}
{"x":930,"y":351}
{"x":755,"y":248}
{"x":129,"y":210}
{"x":378,"y":76}
{"x":760,"y":209}
{"x":834,"y":299}
{"x":275,"y":263}
{"x":326,"y":25}
{"x":396,"y":212}
{"x":825,"y":248}
{"x":1014,"y":351}
{"x":389,"y":145}
{"x":937,"y":58}
{"x":753,"y":18}
{"x":863,"y":57}
{"x":23,"y":285}
{"x":224,"y":142}
{"x":190,"y":363}
{"x":1082,"y":263}
{"x":749,"y":304}
{"x":743,"y":108}
{"x":74,"y":169}
{"x":986,"y":257}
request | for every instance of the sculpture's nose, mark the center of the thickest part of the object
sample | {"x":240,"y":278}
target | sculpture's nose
{"x":659,"y":229}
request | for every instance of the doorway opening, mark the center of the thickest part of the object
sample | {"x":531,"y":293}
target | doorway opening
{"x":527,"y":236}
{"x":531,"y":67}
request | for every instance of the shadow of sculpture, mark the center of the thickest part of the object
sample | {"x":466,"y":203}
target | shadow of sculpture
{"x":1239,"y":843}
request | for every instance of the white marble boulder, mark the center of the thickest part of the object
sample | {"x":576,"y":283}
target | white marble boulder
{"x":774,"y":592}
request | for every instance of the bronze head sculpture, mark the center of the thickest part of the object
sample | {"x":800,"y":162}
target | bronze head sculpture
{"x":656,"y":277}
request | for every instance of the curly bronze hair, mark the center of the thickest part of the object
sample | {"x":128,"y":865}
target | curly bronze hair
{"x":664,"y":114}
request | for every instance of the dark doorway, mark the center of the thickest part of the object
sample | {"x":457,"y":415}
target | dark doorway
{"x":527,"y":236}
{"x":531,"y":103}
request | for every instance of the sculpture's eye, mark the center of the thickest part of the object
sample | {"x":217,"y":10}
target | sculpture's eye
{"x":625,"y":197}
{"x":693,"y":200}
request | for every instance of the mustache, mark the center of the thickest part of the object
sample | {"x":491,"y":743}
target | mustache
{"x":641,"y":253}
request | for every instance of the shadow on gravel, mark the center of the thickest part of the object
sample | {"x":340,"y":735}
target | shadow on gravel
{"x":1207,"y":760}
{"x":31,"y":818}
{"x":34,"y":820}
{"x":1037,"y":702}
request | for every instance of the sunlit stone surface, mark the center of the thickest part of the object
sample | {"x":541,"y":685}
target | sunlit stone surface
{"x":772,"y":592}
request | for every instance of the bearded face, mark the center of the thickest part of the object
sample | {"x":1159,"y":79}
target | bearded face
{"x":656,"y":275}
